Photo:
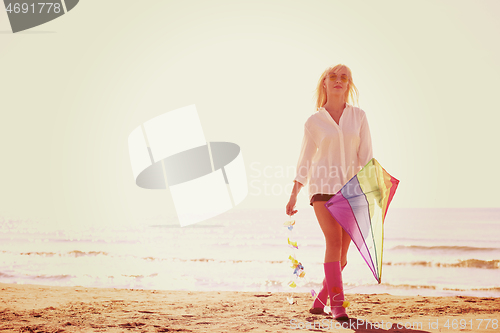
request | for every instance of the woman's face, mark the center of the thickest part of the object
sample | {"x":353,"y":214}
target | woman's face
{"x":337,"y":83}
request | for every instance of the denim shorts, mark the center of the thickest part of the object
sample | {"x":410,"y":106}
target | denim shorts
{"x":321,"y":197}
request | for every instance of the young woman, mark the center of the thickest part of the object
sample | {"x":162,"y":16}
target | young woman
{"x":336,"y":145}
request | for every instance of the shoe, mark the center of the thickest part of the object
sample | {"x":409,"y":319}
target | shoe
{"x":333,"y":277}
{"x":318,"y":310}
{"x":321,"y":299}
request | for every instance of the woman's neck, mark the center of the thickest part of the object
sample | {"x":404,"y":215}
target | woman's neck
{"x":334,"y":105}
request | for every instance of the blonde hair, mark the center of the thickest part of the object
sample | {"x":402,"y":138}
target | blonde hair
{"x":351,"y":95}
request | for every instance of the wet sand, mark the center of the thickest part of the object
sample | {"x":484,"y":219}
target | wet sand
{"x":32,"y":308}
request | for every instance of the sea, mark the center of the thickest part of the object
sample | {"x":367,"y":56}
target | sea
{"x":426,"y":251}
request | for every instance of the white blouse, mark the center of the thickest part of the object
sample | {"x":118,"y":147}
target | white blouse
{"x":332,"y":154}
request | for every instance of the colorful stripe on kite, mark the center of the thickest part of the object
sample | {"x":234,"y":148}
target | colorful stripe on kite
{"x":360,"y":208}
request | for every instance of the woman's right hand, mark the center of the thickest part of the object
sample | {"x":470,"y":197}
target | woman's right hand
{"x":291,"y":205}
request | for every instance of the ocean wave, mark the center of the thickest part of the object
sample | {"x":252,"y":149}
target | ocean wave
{"x":410,"y":286}
{"x":474,"y":289}
{"x":353,"y":287}
{"x":38,"y":277}
{"x":445,"y":248}
{"x":212,"y":260}
{"x":469,"y":263}
{"x":53,"y":277}
{"x":78,"y":253}
{"x":74,"y":253}
{"x":136,"y":276}
{"x":43,"y":254}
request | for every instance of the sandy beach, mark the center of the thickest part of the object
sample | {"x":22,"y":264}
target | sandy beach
{"x":33,"y":308}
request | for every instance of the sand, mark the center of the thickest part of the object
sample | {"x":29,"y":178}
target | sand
{"x":31,"y":308}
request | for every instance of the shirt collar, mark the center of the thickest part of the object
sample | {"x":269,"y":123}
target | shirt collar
{"x":322,"y":109}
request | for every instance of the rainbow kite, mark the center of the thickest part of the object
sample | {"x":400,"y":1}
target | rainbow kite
{"x":360,"y":208}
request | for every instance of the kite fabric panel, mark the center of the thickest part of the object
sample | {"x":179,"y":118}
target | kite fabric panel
{"x":360,"y":208}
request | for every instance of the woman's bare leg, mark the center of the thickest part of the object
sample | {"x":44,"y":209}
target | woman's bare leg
{"x":337,"y":241}
{"x":337,"y":244}
{"x":346,"y":241}
{"x":336,"y":249}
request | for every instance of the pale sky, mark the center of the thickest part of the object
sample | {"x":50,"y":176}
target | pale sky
{"x":73,"y":89}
